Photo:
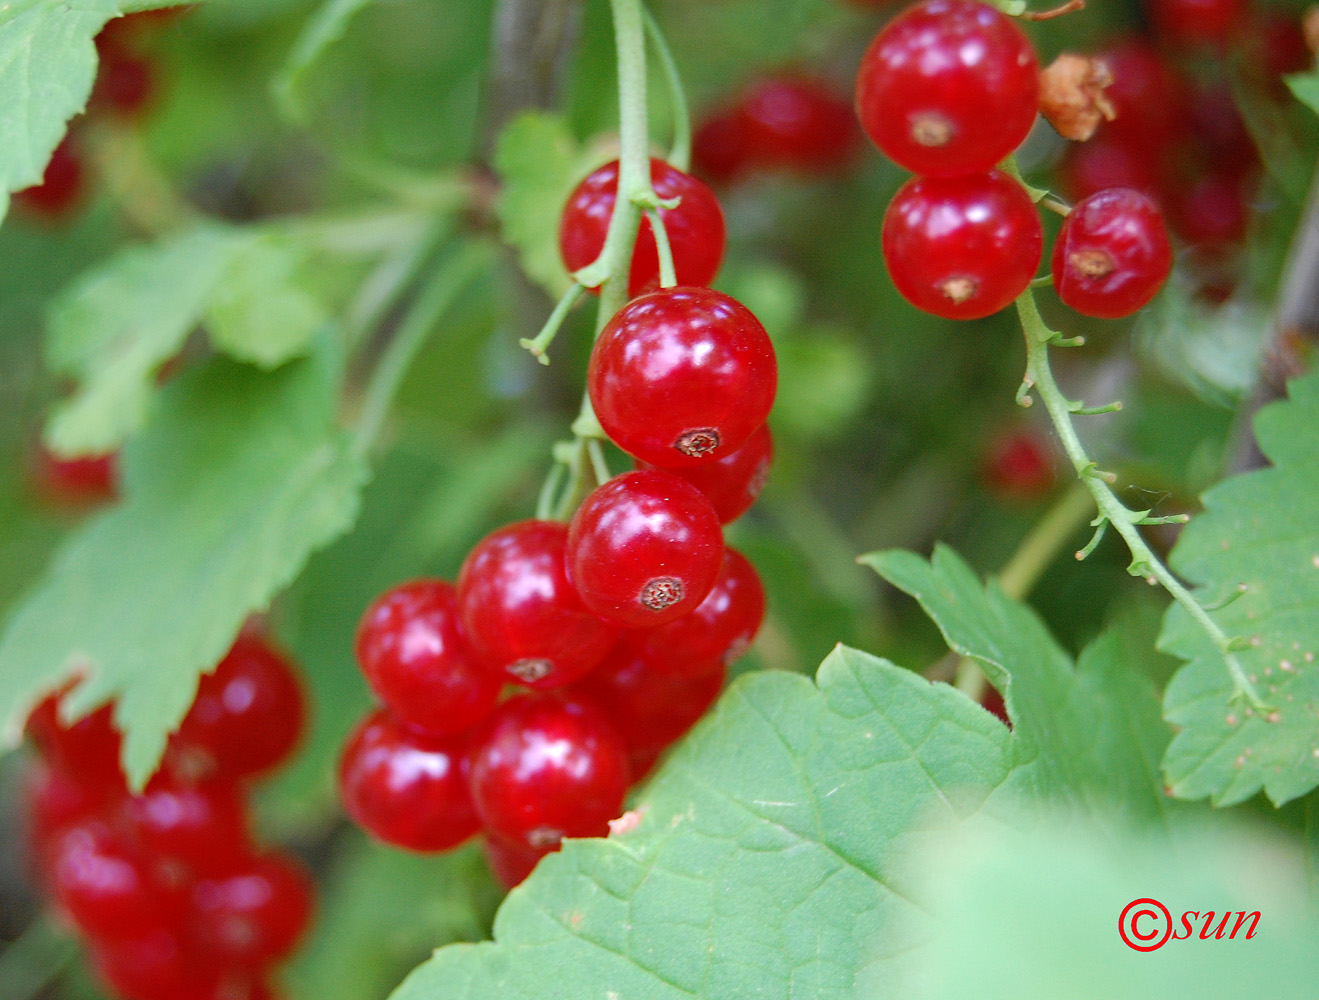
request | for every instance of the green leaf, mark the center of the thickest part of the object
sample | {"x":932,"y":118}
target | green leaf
{"x":772,"y":856}
{"x":539,"y":163}
{"x":322,"y":30}
{"x":1260,"y":530}
{"x":1090,"y":732}
{"x":1036,"y":915}
{"x":1305,"y":88}
{"x":113,"y":329}
{"x":241,"y":478}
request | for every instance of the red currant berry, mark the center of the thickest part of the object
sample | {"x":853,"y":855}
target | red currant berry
{"x":203,"y":826}
{"x":88,"y":480}
{"x":1210,"y":212}
{"x":1112,"y":254}
{"x":719,"y":631}
{"x":732,"y":483}
{"x":1148,"y":95}
{"x":412,"y":650}
{"x":962,"y":247}
{"x":644,"y":549}
{"x":695,"y":227}
{"x":88,"y":748}
{"x":992,"y":702}
{"x":521,"y":612}
{"x":721,"y":150}
{"x":948,"y":87}
{"x":682,"y":376}
{"x":544,"y":769}
{"x":1198,"y":22}
{"x":1019,"y":465}
{"x":511,"y":863}
{"x":798,"y":123}
{"x":247,"y":717}
{"x":406,"y":787}
{"x":61,"y":185}
{"x":54,"y":800}
{"x":157,"y":965}
{"x":1106,"y":162}
{"x":105,"y":883}
{"x":649,"y":708}
{"x":125,"y":83}
{"x":254,"y":914}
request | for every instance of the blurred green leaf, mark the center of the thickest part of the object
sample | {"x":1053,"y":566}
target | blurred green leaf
{"x":1305,"y":88}
{"x":322,"y":30}
{"x":241,"y":478}
{"x":1259,"y":532}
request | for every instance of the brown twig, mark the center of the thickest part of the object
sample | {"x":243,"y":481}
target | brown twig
{"x":1071,"y":7}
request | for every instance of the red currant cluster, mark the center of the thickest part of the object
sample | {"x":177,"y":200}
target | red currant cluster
{"x":948,"y":89}
{"x":791,"y":123}
{"x":173,"y":896}
{"x":125,"y":84}
{"x":621,"y":623}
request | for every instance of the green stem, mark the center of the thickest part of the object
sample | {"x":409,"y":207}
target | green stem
{"x":1039,"y":374}
{"x":667,"y":276}
{"x":431,"y":303}
{"x":680,"y":155}
{"x":540,"y":343}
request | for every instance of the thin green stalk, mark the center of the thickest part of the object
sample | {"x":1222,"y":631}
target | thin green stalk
{"x":540,"y":343}
{"x":668,"y":277}
{"x":680,"y":155}
{"x":435,"y":298}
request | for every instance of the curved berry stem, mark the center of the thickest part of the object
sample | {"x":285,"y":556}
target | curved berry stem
{"x":1039,"y":376}
{"x":680,"y":153}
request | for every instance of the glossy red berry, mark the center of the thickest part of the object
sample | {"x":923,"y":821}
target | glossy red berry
{"x":721,"y":152}
{"x":695,"y":227}
{"x":522,"y":614}
{"x":511,"y":863}
{"x":90,"y":479}
{"x":54,"y":800}
{"x":87,"y":749}
{"x":798,"y":123}
{"x":543,"y":769}
{"x":1147,"y":94}
{"x":412,"y":650}
{"x":732,"y":483}
{"x":201,"y":825}
{"x":644,"y":549}
{"x":157,"y":965}
{"x":405,"y":787}
{"x":1198,"y":22}
{"x":1112,"y":254}
{"x":247,"y":717}
{"x":1108,"y":161}
{"x":105,"y":883}
{"x":1019,"y":465}
{"x":650,"y":708}
{"x":254,"y":913}
{"x":61,"y":185}
{"x":719,"y":631}
{"x":948,"y":87}
{"x":682,"y":376}
{"x":962,"y":247}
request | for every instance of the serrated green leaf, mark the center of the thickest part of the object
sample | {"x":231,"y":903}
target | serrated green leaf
{"x":539,"y":162}
{"x":322,"y":30}
{"x":1305,"y":88}
{"x":244,"y":475}
{"x":1260,"y":529}
{"x":1036,"y":915}
{"x":1090,"y":732}
{"x":113,"y":329}
{"x":773,"y":854}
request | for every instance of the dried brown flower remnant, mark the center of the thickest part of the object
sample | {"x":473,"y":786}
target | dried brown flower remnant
{"x":1072,"y":95}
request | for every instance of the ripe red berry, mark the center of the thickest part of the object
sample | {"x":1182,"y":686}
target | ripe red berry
{"x":962,"y":247}
{"x":682,"y":376}
{"x":61,"y":185}
{"x":89,"y":479}
{"x":695,"y":227}
{"x":650,"y":708}
{"x":522,"y":614}
{"x":1109,"y":161}
{"x":254,"y":913}
{"x":406,"y":787}
{"x":1112,"y":254}
{"x":543,"y":769}
{"x":511,"y":863}
{"x":948,"y":87}
{"x":1210,"y":212}
{"x":247,"y":717}
{"x":721,"y":152}
{"x":412,"y":650}
{"x":87,"y":749}
{"x":1148,"y":95}
{"x":54,"y":800}
{"x":125,"y":82}
{"x":1019,"y":465}
{"x":644,"y":549}
{"x":797,"y":123}
{"x":718,"y":632}
{"x":1197,"y":22}
{"x":105,"y":883}
{"x":203,"y":826}
{"x":157,"y":965}
{"x":732,"y":483}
